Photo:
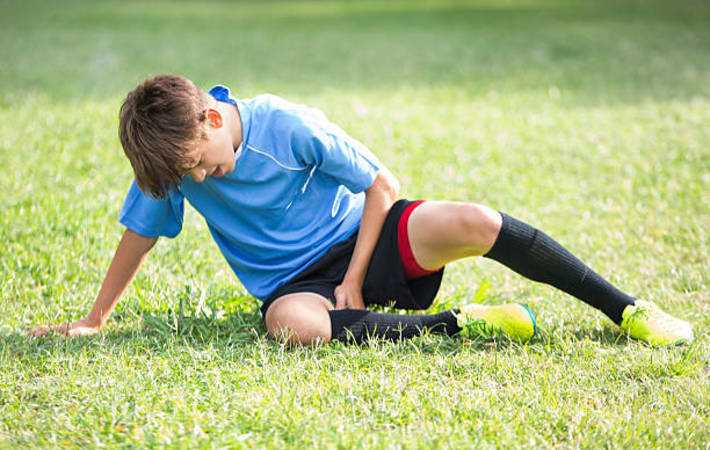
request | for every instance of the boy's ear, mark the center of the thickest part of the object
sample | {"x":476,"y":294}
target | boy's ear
{"x":214,"y":118}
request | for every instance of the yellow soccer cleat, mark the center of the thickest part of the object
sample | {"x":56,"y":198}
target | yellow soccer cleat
{"x":646,"y":322}
{"x":514,"y":320}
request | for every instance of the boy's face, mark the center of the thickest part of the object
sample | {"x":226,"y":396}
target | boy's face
{"x":214,"y":156}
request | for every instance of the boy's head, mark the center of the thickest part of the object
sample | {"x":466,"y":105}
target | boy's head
{"x":160,"y":123}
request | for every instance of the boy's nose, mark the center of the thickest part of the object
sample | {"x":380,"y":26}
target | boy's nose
{"x":199,"y":174}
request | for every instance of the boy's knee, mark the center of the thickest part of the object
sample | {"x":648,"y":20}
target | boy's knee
{"x":482,"y":223}
{"x":298,"y":321}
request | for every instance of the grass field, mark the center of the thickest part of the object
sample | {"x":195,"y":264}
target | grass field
{"x":590,"y":120}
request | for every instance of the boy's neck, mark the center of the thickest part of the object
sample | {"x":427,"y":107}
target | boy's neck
{"x":232,"y":121}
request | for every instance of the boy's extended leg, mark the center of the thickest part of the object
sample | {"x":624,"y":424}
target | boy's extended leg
{"x":443,"y":231}
{"x":440,"y":232}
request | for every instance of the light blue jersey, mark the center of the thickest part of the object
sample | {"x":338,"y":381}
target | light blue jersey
{"x":296,"y":190}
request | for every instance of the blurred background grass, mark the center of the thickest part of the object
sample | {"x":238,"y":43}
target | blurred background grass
{"x":595,"y":52}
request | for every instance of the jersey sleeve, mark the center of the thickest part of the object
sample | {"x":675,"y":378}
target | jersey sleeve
{"x":151,"y":217}
{"x":320,"y":143}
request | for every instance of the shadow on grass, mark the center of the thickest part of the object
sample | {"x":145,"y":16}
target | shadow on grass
{"x":163,"y":332}
{"x":158,"y":330}
{"x":608,"y":336}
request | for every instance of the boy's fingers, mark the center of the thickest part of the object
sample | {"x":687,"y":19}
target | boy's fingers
{"x":339,"y":301}
{"x":38,"y":331}
{"x":63,"y":328}
{"x":341,"y":298}
{"x":81,"y":331}
{"x":361,"y":304}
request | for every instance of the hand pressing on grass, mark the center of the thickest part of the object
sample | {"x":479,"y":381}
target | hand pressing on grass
{"x":130,"y":254}
{"x":83,"y":327}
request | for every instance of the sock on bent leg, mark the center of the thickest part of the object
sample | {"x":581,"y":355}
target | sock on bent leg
{"x":537,"y":256}
{"x":354,"y":326}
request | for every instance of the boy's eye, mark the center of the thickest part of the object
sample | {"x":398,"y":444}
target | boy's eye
{"x":186,"y":170}
{"x":193,"y":166}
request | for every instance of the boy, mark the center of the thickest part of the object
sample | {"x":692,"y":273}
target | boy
{"x":306,"y":217}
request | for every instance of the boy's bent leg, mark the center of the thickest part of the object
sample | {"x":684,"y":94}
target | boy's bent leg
{"x":300,"y":318}
{"x":436,"y":229}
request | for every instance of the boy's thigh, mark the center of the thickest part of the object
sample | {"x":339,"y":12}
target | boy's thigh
{"x":299,"y":318}
{"x":441,"y":232}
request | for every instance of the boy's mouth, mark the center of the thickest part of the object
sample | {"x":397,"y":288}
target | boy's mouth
{"x":218,"y":172}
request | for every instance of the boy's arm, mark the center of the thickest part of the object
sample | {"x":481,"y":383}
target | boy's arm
{"x":379,"y":198}
{"x":129,"y":256}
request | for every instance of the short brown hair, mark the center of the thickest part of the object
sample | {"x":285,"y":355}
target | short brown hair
{"x":159,"y":123}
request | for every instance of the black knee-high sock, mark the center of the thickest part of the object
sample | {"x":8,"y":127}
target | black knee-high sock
{"x":532,"y":253}
{"x":352,"y":325}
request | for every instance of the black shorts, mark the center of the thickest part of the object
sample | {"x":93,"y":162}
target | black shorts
{"x":384,"y":284}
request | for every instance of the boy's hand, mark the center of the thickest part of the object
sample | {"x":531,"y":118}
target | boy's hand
{"x":83,"y":327}
{"x":349,"y":295}
{"x":379,"y":198}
